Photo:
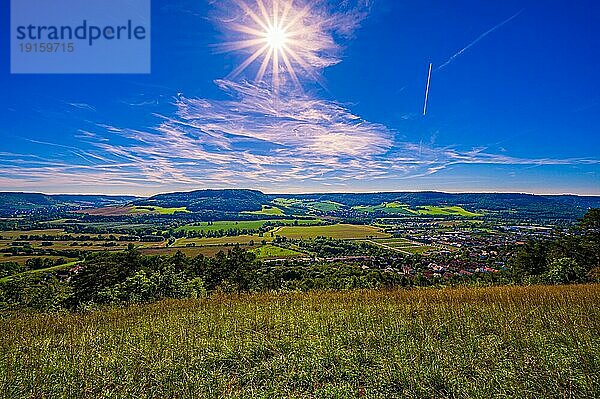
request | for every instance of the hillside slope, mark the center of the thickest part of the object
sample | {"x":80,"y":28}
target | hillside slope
{"x":210,"y":200}
{"x":17,"y":202}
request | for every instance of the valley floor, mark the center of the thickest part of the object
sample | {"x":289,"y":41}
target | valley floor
{"x":526,"y":342}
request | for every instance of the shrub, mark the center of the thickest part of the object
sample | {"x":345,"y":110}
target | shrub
{"x":148,"y":286}
{"x":563,"y":271}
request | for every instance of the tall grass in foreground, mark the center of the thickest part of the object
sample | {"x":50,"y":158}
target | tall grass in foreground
{"x":503,"y":342}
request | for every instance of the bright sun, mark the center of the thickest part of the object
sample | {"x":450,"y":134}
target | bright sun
{"x":276,"y":35}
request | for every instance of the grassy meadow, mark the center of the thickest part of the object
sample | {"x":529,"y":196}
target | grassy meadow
{"x":336,"y":231}
{"x":404,"y":209}
{"x":272,"y":251}
{"x":267,"y":210}
{"x":403,"y":245}
{"x":501,"y":342}
{"x":446,"y":211}
{"x":322,"y":206}
{"x":245,"y":224}
{"x":157,"y":209}
{"x":391,"y":207}
{"x":225,"y":225}
{"x":227,"y":240}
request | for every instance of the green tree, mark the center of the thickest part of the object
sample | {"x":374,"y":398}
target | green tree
{"x":104,"y":270}
{"x":591,"y":220}
{"x":531,"y":260}
{"x":564,"y":271}
{"x":590,"y":225}
{"x":45,"y":294}
{"x":9,"y":268}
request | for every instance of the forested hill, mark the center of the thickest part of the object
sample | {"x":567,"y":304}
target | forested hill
{"x":550,"y":206}
{"x":15,"y":202}
{"x":252,"y":200}
{"x":242,"y":200}
{"x":476,"y":200}
{"x":210,"y":200}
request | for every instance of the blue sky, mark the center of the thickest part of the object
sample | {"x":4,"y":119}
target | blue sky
{"x":517,"y":108}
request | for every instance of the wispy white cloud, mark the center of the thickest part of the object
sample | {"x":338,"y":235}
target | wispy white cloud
{"x":250,"y":140}
{"x":257,"y":140}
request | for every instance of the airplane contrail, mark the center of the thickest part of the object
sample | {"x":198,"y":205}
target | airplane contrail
{"x":474,"y":42}
{"x":427,"y":89}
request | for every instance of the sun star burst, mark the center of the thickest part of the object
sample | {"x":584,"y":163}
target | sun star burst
{"x":274,"y":33}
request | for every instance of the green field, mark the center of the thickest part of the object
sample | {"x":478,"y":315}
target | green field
{"x":337,"y":231}
{"x":227,"y":240}
{"x":446,"y":211}
{"x":418,"y":249}
{"x":267,"y":210}
{"x":389,"y":207}
{"x":504,"y":342}
{"x":288,"y":202}
{"x":321,"y":206}
{"x":403,"y":209}
{"x":157,"y":209}
{"x":404,"y":245}
{"x":395,"y":241}
{"x":324,"y":206}
{"x":225,"y":225}
{"x":22,"y":259}
{"x":41,"y":271}
{"x":245,"y":224}
{"x":272,"y":251}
